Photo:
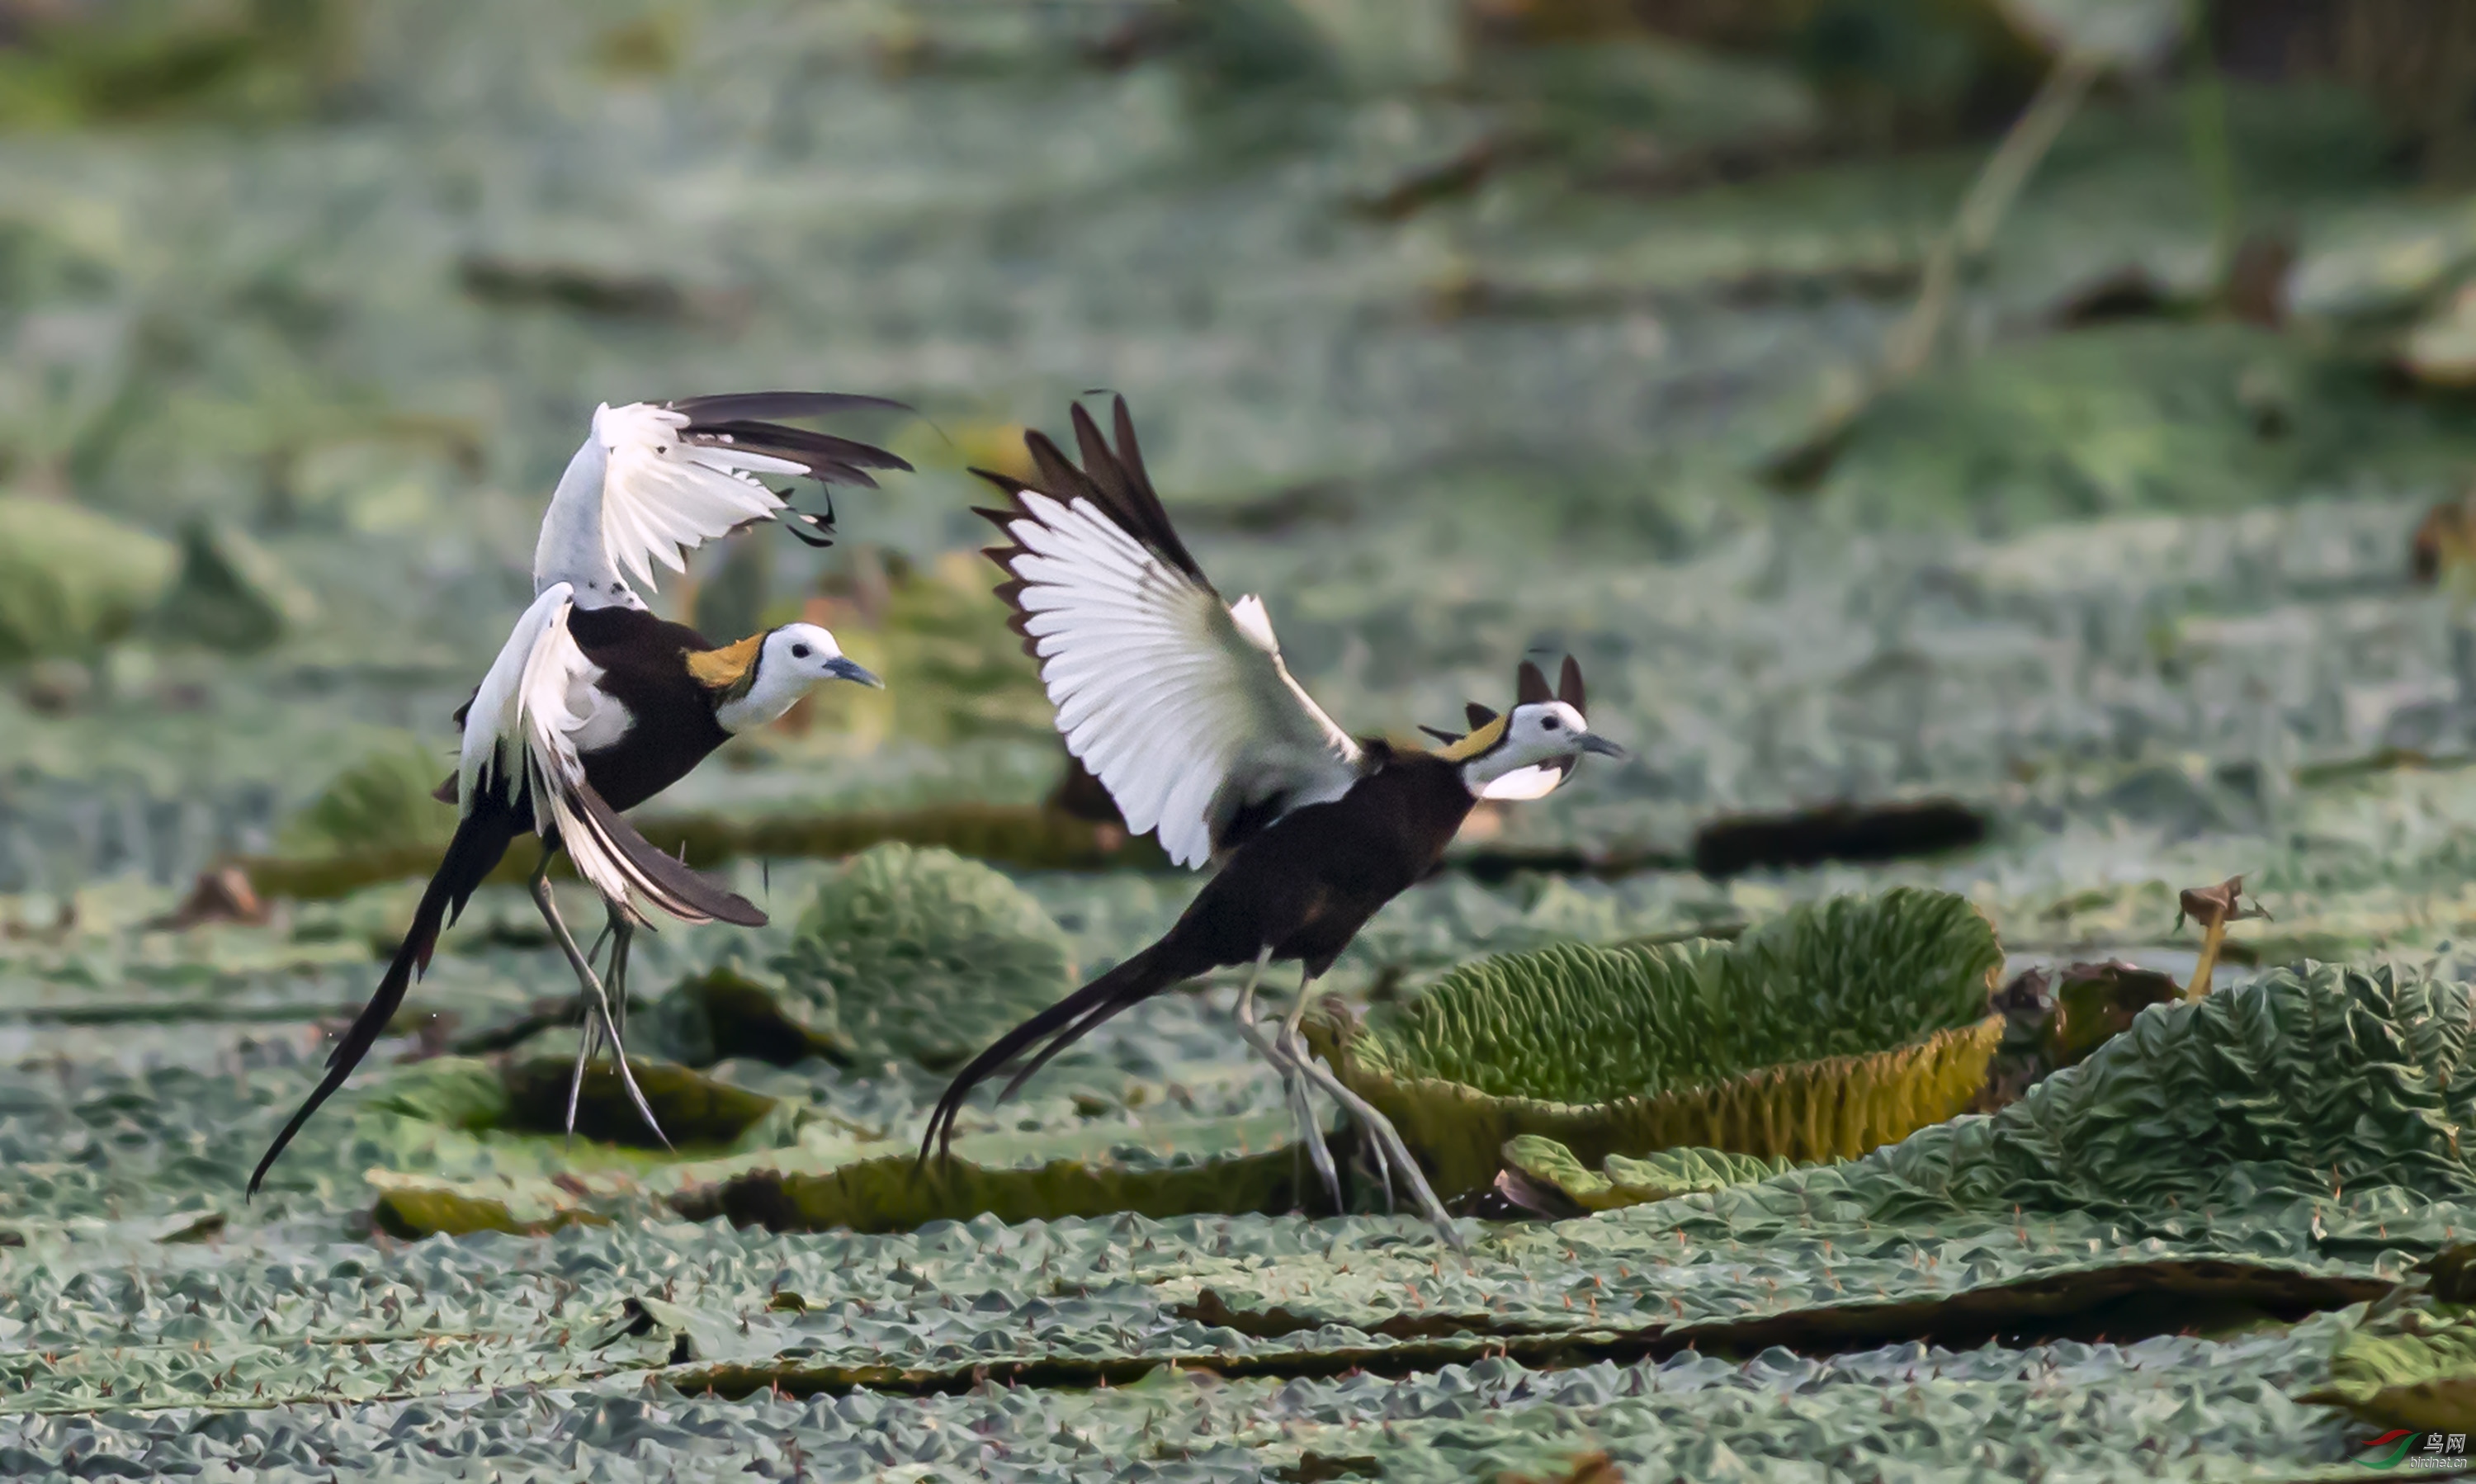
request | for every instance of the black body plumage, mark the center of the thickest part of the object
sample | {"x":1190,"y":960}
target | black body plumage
{"x":1298,"y":878}
{"x":644,"y":665}
{"x":1303,"y":885}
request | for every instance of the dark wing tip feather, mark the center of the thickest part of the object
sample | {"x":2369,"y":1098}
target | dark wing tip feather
{"x":1115,"y":482}
{"x":1130,"y":453}
{"x":1009,"y":591}
{"x":1448,"y":738}
{"x":1476,"y":714}
{"x":666,"y":879}
{"x":823,"y":456}
{"x":1530,"y":685}
{"x":724,"y":405}
{"x":1568,"y":685}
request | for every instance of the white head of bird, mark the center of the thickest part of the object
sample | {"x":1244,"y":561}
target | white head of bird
{"x":788,"y":663}
{"x":1535,"y":743}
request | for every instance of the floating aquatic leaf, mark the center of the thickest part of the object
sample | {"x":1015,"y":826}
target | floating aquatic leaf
{"x":893,"y":1193}
{"x":729,"y":1011}
{"x":1619,"y":1181}
{"x":72,"y":581}
{"x":232,"y":593}
{"x":923,"y":954}
{"x":1830,"y":1030}
{"x":2412,"y":1363}
{"x":381,"y":804}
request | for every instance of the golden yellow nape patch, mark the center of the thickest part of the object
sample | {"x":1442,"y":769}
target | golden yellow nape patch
{"x":1475,"y":743}
{"x":718,"y":669}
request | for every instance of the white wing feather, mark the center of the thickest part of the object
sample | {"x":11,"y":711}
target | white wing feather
{"x":555,"y":701}
{"x":493,"y":738}
{"x":523,"y":724}
{"x":663,"y":498}
{"x":1181,"y":707}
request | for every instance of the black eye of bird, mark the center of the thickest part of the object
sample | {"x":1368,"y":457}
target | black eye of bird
{"x":1549,"y":722}
{"x":799,"y":652}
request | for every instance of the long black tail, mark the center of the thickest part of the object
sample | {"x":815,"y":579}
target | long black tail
{"x":1063,"y":1023}
{"x":481,"y":840}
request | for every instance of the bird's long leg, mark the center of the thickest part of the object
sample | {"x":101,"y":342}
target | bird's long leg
{"x":601,"y":1001}
{"x":1293,"y":1044}
{"x":620,"y":930}
{"x":1293,"y":1089}
{"x":1391,"y":1153}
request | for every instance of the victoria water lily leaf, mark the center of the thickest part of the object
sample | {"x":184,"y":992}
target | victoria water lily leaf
{"x":894,"y":1193}
{"x":1619,"y":1181}
{"x":1835,"y":1029}
{"x":381,"y":802}
{"x":2095,"y":1002}
{"x":923,"y":954}
{"x":72,"y":581}
{"x":412,"y":1213}
{"x":731,"y":1011}
{"x":2412,"y":1366}
{"x":452,"y":1114}
{"x":232,"y":594}
{"x":692,"y":1108}
{"x":2133,"y":417}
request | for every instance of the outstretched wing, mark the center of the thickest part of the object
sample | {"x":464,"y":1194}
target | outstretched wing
{"x":520,"y":737}
{"x":1179,"y":703}
{"x":676,"y":475}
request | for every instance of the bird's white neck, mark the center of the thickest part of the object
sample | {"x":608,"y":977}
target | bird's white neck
{"x":571,"y":548}
{"x":771,"y":690}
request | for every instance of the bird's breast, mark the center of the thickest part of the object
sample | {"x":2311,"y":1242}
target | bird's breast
{"x":605,"y":726}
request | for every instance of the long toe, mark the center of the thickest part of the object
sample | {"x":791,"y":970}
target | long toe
{"x":1311,"y":1136}
{"x":1387,"y":1140}
{"x":636,"y":1095}
{"x":1289,"y":1051}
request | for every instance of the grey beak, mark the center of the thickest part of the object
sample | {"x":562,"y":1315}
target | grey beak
{"x":1593,"y":742}
{"x":845,"y":669}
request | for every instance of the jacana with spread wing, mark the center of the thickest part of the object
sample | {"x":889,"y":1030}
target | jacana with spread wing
{"x":1181,"y":704}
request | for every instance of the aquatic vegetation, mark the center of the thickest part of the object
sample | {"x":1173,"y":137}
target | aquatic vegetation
{"x":1832,"y":1030}
{"x":923,"y":954}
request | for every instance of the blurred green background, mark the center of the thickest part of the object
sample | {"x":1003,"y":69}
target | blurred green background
{"x":1726,"y":345}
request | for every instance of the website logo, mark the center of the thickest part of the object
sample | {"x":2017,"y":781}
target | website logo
{"x":2407,"y":1448}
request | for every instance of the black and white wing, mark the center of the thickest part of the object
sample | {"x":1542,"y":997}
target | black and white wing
{"x":1176,"y":702}
{"x":671,"y":476}
{"x":523,"y":734}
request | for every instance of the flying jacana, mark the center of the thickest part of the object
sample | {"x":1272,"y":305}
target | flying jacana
{"x":1182,"y":706}
{"x":595,"y":705}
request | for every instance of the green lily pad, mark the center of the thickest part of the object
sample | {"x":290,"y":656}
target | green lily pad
{"x":1619,"y":1181}
{"x":894,"y":1193}
{"x":2412,"y":1363}
{"x":381,"y":802}
{"x":1834,"y":1030}
{"x":72,"y":581}
{"x":521,"y":1103}
{"x":233,"y":595}
{"x":729,"y":1011}
{"x":921,"y":954}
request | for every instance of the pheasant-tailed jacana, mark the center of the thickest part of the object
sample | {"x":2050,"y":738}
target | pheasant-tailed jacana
{"x":1181,"y":705}
{"x":595,"y":705}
